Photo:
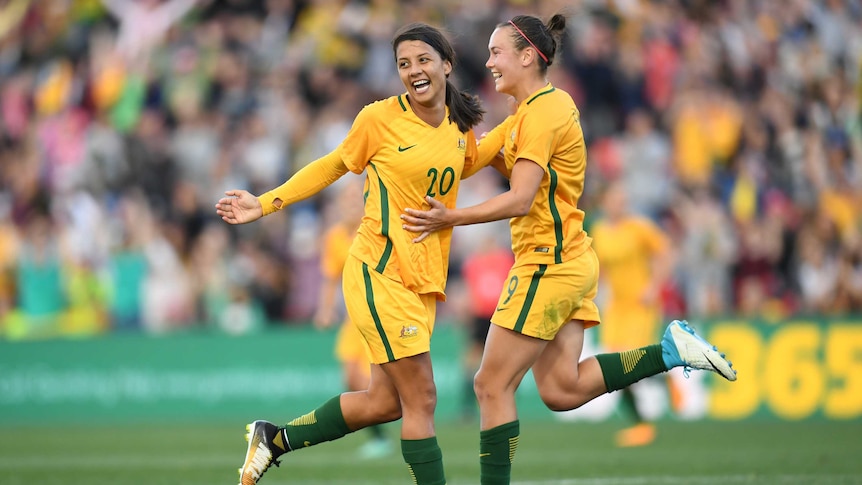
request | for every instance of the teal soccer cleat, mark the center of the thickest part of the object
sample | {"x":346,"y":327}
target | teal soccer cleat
{"x":681,"y":346}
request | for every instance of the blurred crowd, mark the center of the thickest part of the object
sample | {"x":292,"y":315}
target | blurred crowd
{"x":734,"y":124}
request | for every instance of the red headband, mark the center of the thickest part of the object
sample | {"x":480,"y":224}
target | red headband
{"x":543,"y":56}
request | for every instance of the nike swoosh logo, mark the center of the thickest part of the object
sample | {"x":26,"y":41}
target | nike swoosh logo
{"x":484,"y":454}
{"x":501,"y":309}
{"x":404,"y":149}
{"x":713,"y":365}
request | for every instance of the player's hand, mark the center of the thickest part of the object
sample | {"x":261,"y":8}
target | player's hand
{"x":427,"y":221}
{"x":239,"y":207}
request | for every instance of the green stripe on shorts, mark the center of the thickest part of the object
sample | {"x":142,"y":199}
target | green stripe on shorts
{"x":369,"y":297}
{"x":384,"y":221}
{"x":531,"y":294}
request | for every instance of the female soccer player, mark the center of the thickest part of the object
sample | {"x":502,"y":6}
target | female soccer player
{"x":415,"y":144}
{"x":547,"y":302}
{"x":634,"y":254}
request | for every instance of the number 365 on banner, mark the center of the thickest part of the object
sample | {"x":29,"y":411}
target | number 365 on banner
{"x":791,"y":370}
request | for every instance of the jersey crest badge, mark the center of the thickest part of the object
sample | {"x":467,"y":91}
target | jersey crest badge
{"x":409,"y":331}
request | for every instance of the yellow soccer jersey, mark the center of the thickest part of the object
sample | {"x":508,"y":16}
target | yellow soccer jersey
{"x":626,"y":250}
{"x":405,"y":159}
{"x":336,"y":247}
{"x":546,"y":129}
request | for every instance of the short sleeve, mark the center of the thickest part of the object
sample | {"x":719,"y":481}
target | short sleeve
{"x":488,"y":148}
{"x":535,"y":139}
{"x":361,"y":142}
{"x":471,"y":156}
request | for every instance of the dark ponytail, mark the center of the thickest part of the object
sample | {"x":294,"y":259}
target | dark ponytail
{"x":465,"y":110}
{"x":529,"y":31}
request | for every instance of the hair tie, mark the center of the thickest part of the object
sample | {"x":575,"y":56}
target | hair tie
{"x":542,"y":55}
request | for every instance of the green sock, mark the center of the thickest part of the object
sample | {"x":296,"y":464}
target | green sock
{"x":623,"y":369}
{"x":325,"y":423}
{"x":468,"y":396}
{"x":425,"y":461}
{"x":630,"y":405}
{"x":376,"y":432}
{"x":496,"y":451}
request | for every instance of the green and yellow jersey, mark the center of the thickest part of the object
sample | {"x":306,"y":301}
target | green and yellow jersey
{"x":546,"y":130}
{"x":405,"y":159}
{"x":336,"y":247}
{"x":626,"y":250}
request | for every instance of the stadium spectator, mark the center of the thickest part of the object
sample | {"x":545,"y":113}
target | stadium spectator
{"x":707,"y":248}
{"x":143,"y":25}
{"x":645,"y":165}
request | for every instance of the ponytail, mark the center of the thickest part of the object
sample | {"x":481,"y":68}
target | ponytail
{"x":465,"y":110}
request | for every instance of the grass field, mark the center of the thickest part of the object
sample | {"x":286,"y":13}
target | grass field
{"x":549,"y":454}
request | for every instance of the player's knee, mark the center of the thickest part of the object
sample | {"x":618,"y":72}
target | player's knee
{"x":485,"y":386}
{"x":420,"y":397}
{"x":426,"y":399}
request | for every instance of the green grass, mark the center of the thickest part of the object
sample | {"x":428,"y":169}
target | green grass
{"x":549,"y":454}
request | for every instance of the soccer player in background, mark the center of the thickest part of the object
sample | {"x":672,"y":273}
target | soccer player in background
{"x":413,"y":145}
{"x":635,"y":259}
{"x":547,"y":303}
{"x":351,"y":351}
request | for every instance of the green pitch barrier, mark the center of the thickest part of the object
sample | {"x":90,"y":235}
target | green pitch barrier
{"x":193,"y":376}
{"x":793,"y":370}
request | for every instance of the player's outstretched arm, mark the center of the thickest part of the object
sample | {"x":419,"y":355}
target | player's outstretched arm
{"x":239,"y":207}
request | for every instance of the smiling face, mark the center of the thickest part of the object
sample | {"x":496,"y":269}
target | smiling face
{"x":504,"y":61}
{"x":422,"y":71}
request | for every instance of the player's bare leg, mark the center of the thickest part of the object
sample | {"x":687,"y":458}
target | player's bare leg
{"x":413,"y":377}
{"x":357,"y":374}
{"x":507,"y":358}
{"x":564,"y":381}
